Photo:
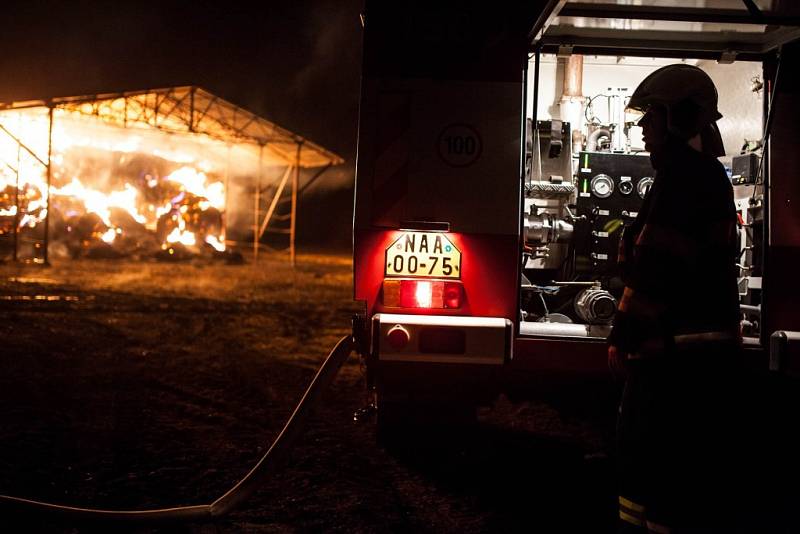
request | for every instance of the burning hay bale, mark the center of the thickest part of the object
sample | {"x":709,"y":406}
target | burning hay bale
{"x":145,"y":216}
{"x":142,"y":219}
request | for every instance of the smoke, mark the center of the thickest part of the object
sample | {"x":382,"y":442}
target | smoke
{"x":327,"y":86}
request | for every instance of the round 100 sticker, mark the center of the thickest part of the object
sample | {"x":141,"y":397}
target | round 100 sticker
{"x":459,"y":145}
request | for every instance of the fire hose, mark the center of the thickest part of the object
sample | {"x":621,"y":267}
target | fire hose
{"x":234,"y":496}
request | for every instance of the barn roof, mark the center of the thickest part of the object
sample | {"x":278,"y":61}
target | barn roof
{"x":193,"y":110}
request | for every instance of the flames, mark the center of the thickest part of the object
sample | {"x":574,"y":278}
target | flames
{"x":175,"y":198}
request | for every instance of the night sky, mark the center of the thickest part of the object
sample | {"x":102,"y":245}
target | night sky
{"x":296,"y":63}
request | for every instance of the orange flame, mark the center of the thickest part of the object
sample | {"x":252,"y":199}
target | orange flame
{"x":22,"y":169}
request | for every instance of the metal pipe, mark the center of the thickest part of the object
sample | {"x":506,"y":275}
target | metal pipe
{"x":227,"y":188}
{"x":191,"y":108}
{"x":257,"y":204}
{"x":536,"y":156}
{"x":537,"y":59}
{"x":747,"y":308}
{"x":528,"y":328}
{"x":293,"y":221}
{"x":771,"y":70}
{"x":573,"y":76}
{"x":16,"y":204}
{"x":591,"y":141}
{"x":49,"y":179}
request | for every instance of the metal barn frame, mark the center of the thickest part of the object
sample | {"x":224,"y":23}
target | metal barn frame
{"x":192,"y":110}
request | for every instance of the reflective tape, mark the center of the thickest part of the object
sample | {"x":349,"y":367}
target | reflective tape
{"x":631,"y":505}
{"x":631,"y":512}
{"x":628,"y":518}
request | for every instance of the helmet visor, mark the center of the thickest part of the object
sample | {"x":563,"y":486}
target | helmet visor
{"x":634,"y":114}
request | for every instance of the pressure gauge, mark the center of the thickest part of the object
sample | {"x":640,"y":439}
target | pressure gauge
{"x":602,"y":186}
{"x":625,"y":185}
{"x":644,"y":186}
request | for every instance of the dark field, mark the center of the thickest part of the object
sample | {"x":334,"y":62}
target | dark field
{"x":138,"y":385}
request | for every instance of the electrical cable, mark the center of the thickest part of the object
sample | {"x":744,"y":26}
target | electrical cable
{"x":589,"y":105}
{"x":243,"y":489}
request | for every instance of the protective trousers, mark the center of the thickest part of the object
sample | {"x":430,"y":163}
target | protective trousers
{"x":677,"y":442}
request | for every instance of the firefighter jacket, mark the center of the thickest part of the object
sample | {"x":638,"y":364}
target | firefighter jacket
{"x":678,"y":258}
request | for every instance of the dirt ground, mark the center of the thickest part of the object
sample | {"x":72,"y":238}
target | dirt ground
{"x":136,"y":385}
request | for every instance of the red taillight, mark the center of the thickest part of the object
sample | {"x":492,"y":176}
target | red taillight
{"x":422,"y":294}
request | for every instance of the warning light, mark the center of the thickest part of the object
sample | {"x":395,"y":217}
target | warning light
{"x":432,"y":294}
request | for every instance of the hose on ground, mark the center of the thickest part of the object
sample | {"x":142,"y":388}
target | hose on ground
{"x":233,"y":497}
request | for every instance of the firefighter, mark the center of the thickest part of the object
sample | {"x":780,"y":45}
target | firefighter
{"x":676,"y":332}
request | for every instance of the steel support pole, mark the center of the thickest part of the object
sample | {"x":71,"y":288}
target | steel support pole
{"x":536,"y":154}
{"x":16,"y":204}
{"x":191,"y":114}
{"x":227,"y":194}
{"x":49,"y":178}
{"x":293,"y":219}
{"x":257,"y":204}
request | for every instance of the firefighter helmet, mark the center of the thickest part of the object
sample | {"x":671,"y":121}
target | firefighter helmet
{"x":690,"y":98}
{"x":675,"y":84}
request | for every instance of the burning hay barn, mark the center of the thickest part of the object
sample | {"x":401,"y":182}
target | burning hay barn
{"x":160,"y":173}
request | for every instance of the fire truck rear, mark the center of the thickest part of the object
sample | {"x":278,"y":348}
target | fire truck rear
{"x":486,"y":224}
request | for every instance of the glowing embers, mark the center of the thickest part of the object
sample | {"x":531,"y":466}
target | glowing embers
{"x":430,"y":294}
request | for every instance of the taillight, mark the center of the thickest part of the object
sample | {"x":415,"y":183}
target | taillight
{"x":422,"y":294}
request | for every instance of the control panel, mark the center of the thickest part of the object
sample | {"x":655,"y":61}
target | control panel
{"x":611,"y":189}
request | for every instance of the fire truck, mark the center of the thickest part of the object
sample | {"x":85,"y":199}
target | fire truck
{"x":497,"y":166}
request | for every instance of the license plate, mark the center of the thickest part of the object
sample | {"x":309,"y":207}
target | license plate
{"x":423,"y":254}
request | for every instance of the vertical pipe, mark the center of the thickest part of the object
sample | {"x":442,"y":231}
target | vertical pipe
{"x":535,"y":152}
{"x":522,"y":183}
{"x":572,"y":103}
{"x":257,"y":204}
{"x":16,"y":204}
{"x":573,"y":76}
{"x":49,"y":178}
{"x":227,"y":193}
{"x":537,"y":59}
{"x":770,"y":75}
{"x":293,"y":218}
{"x":191,"y":114}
